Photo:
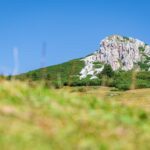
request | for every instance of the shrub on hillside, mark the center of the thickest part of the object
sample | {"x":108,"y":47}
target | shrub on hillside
{"x":142,"y":84}
{"x":143,"y":80}
{"x":122,"y":80}
{"x":108,"y":71}
{"x":85,"y":82}
{"x":145,"y":75}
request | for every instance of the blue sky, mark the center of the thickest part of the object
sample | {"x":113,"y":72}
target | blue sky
{"x":70,"y":28}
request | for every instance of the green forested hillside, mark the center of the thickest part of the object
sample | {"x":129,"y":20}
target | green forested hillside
{"x":58,"y":73}
{"x":68,"y":74}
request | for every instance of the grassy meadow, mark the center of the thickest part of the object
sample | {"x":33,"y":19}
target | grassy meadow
{"x":34,"y":117}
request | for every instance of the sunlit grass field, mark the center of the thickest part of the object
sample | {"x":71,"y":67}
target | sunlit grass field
{"x":33,"y":117}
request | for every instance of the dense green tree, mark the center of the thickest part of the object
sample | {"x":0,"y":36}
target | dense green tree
{"x":34,"y":76}
{"x":108,"y":71}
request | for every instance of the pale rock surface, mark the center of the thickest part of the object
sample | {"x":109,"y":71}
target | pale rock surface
{"x":118,"y":51}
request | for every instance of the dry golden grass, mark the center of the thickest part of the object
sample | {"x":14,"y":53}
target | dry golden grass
{"x":79,"y":118}
{"x":138,"y":97}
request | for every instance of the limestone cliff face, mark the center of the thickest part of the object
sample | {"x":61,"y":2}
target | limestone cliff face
{"x":120,"y":52}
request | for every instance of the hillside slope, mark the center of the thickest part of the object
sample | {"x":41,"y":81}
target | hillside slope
{"x":64,"y":72}
{"x":120,"y":53}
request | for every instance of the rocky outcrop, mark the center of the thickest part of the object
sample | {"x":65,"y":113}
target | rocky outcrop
{"x":121,"y":53}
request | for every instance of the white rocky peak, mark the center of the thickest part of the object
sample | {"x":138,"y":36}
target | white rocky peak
{"x":118,"y":51}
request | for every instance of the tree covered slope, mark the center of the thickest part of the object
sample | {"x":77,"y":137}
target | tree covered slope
{"x":120,"y":62}
{"x":63,"y":72}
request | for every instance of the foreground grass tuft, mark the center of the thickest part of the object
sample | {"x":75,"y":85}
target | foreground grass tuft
{"x":37,"y":118}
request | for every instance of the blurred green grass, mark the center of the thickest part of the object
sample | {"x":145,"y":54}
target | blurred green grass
{"x":38,"y":118}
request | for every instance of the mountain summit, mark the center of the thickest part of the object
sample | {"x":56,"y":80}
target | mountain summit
{"x":121,"y":53}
